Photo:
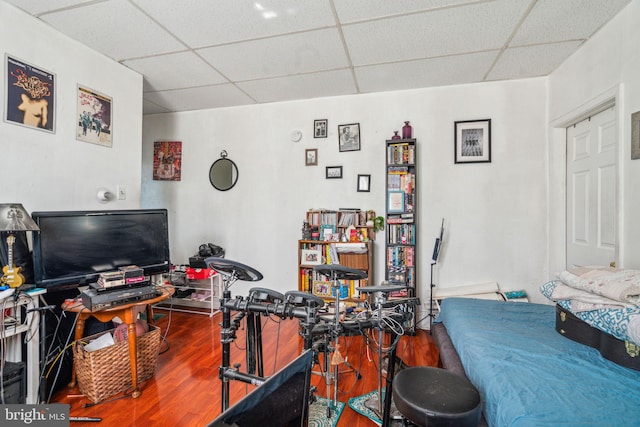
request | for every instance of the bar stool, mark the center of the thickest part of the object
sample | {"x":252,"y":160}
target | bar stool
{"x":434,"y":397}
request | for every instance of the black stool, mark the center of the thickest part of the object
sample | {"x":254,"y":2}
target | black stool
{"x":435,"y":397}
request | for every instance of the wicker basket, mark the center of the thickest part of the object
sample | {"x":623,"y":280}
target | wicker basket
{"x":105,"y":372}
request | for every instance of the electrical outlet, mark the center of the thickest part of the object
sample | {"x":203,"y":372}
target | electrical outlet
{"x":122,"y":192}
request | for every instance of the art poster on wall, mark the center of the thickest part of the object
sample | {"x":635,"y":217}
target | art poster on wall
{"x":30,"y":95}
{"x":94,"y":120}
{"x":167,"y":160}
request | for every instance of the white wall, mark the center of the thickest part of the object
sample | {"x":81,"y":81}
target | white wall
{"x":46,"y":171}
{"x":607,"y":67}
{"x":495,"y":214}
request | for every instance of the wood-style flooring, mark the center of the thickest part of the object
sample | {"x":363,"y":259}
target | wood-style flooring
{"x":186,"y":390}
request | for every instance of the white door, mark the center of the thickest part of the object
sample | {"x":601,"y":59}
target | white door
{"x":592,"y":172}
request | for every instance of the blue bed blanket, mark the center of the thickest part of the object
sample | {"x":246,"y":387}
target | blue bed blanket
{"x":530,"y":375}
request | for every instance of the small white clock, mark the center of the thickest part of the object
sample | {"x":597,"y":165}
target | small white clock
{"x":296,"y":135}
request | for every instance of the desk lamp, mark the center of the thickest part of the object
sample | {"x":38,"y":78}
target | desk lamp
{"x":13,"y":217}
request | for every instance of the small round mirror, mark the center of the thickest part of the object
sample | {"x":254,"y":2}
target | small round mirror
{"x":223,"y":173}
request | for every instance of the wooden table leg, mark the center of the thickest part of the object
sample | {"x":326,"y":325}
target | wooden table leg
{"x":79,"y":333}
{"x":133,"y":358}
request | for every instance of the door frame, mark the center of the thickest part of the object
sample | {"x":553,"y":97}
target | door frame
{"x":557,"y":169}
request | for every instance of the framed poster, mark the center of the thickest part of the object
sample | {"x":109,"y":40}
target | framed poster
{"x":311,"y":157}
{"x":349,"y":137}
{"x":30,"y":95}
{"x":635,"y":135}
{"x":473,"y":141}
{"x":167,"y":160}
{"x":333,"y":172}
{"x":364,"y":183}
{"x":320,"y":128}
{"x":94,"y":123}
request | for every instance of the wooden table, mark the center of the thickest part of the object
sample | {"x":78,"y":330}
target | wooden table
{"x":128,"y":313}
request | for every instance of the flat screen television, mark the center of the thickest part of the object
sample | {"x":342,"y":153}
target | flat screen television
{"x":72,"y":248}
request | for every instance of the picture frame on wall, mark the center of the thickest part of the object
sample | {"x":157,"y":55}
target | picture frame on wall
{"x":334,"y":172}
{"x":364,"y":183}
{"x":320,"y":128}
{"x":635,"y":135}
{"x":311,"y":157}
{"x":349,"y":137}
{"x":472,"y":141}
{"x":94,"y":118}
{"x":30,"y":95}
{"x":167,"y":160}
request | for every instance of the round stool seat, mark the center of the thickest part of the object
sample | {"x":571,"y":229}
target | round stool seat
{"x":429,"y":396}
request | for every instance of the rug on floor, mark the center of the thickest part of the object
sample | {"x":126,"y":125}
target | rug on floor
{"x":358,"y":404}
{"x":318,"y":413}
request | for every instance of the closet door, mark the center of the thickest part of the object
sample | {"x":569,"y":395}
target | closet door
{"x":592,"y":190}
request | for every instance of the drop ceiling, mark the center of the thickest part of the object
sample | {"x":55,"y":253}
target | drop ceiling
{"x":198,"y":54}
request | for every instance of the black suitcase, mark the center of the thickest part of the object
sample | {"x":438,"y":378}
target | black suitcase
{"x":623,"y":353}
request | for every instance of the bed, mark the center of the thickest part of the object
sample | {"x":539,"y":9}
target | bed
{"x":527,"y":373}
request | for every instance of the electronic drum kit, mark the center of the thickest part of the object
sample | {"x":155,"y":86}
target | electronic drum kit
{"x":303,"y":306}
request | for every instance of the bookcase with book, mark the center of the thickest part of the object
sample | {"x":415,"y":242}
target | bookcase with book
{"x":358,"y":255}
{"x":401,"y":233}
{"x":333,"y":224}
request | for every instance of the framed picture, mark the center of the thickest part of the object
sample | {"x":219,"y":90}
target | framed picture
{"x":310,"y":257}
{"x":349,"y":137}
{"x":322,"y":288}
{"x":364,"y":183}
{"x":635,"y":135}
{"x":395,"y":201}
{"x":30,"y":95}
{"x":473,"y":141}
{"x":334,"y":172}
{"x":93,"y":123}
{"x":167,"y":160}
{"x":311,"y":157}
{"x":327,"y":232}
{"x":320,"y":128}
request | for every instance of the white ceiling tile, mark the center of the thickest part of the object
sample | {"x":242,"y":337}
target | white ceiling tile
{"x":478,"y":27}
{"x":37,"y":7}
{"x":225,"y":95}
{"x":531,"y":61}
{"x":278,"y":56}
{"x":329,"y":83}
{"x":448,"y":70}
{"x":207,"y":54}
{"x":115,"y":28}
{"x":553,"y":20}
{"x":150,"y":108}
{"x":201,"y":23}
{"x":175,"y":71}
{"x":358,"y":10}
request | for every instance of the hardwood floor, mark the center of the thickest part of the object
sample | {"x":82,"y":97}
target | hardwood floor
{"x":186,"y":389}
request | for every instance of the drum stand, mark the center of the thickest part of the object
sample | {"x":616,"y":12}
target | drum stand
{"x":230,"y":271}
{"x":378,"y":406}
{"x":335,"y":273}
{"x":261,"y":301}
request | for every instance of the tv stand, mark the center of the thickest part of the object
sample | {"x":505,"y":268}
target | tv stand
{"x":29,"y":301}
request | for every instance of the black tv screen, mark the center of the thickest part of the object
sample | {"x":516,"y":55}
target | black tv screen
{"x":72,"y":248}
